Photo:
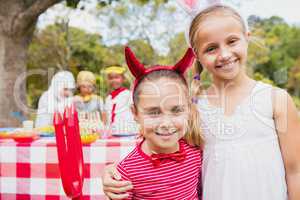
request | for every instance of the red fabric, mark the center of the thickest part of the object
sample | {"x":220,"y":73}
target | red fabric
{"x":31,"y":171}
{"x":113,"y":113}
{"x":117,"y":91}
{"x":113,"y":95}
{"x":171,"y":180}
{"x":178,"y":156}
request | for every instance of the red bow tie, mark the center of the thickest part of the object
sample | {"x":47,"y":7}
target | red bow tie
{"x":157,"y":159}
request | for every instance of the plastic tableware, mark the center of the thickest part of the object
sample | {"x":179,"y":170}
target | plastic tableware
{"x":69,"y":150}
{"x":24,"y":136}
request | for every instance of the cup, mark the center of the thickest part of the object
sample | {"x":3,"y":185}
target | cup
{"x":27,"y":125}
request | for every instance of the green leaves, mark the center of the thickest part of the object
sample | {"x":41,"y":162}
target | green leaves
{"x":72,"y":3}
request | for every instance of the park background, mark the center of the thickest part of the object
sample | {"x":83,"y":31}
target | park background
{"x":40,"y":37}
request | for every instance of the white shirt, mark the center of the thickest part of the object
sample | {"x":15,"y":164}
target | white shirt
{"x":119,"y":113}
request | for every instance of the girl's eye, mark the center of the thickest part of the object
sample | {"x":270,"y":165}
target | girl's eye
{"x":177,"y":110}
{"x":210,"y":49}
{"x":233,"y":41}
{"x":154,"y":113}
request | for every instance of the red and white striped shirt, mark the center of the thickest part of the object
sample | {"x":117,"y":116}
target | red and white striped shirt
{"x":171,"y":180}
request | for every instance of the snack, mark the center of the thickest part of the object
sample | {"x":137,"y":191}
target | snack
{"x":46,"y":129}
{"x":88,"y":138}
{"x":4,"y":135}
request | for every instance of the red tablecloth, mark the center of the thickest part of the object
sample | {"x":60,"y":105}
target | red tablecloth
{"x":30,"y":171}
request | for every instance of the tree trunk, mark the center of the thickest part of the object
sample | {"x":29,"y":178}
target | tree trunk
{"x":12,"y":68}
{"x":17,"y":23}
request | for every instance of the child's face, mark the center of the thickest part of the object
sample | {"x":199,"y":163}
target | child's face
{"x":162,"y":112}
{"x":66,"y":92}
{"x":86,"y":89}
{"x":222,"y":46}
{"x":114,"y":80}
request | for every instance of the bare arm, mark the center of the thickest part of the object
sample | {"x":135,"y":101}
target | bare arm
{"x":113,"y":187}
{"x":104,"y":117}
{"x":288,"y":128}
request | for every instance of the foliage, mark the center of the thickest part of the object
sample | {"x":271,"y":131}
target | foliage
{"x":274,"y":50}
{"x":259,"y":77}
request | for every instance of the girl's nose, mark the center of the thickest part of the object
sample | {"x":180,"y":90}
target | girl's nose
{"x":165,"y":121}
{"x":224,"y":54}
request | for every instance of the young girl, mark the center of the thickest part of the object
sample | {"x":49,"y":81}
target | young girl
{"x":244,"y":121}
{"x":251,"y":129}
{"x":163,"y":165}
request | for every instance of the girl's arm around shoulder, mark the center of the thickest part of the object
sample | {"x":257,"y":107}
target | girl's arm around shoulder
{"x":113,"y":185}
{"x":287,"y":123}
{"x":121,"y":167}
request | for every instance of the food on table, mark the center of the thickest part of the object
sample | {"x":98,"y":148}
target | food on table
{"x":46,"y":129}
{"x":4,"y":135}
{"x":88,"y":138}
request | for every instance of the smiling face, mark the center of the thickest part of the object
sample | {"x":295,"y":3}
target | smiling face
{"x":162,"y":112}
{"x":221,"y":44}
{"x":115,"y":80}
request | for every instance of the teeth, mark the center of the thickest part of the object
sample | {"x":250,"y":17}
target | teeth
{"x":166,"y":133}
{"x":227,"y":65}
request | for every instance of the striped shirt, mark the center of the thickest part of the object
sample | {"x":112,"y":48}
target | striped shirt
{"x":171,"y":180}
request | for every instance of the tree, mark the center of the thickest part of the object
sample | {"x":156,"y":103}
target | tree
{"x":294,"y":79}
{"x":17,"y":20}
{"x":150,"y":21}
{"x":17,"y":24}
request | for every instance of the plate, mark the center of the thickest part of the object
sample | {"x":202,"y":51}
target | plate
{"x":123,"y":134}
{"x":7,"y":129}
{"x":24,"y":137}
{"x":46,"y":135}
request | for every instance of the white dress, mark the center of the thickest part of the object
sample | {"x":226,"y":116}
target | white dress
{"x":242,"y":158}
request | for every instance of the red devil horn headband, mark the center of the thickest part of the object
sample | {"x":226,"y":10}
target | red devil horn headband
{"x":185,"y":62}
{"x":138,"y":70}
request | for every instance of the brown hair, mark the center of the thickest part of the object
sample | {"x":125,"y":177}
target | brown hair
{"x":194,"y":134}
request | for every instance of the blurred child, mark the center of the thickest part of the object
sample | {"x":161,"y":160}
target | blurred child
{"x":55,"y":98}
{"x":118,"y":102}
{"x":87,"y":101}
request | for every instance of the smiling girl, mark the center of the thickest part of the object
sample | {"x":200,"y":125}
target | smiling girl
{"x":163,"y":165}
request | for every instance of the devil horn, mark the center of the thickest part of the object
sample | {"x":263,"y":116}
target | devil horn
{"x":185,"y":62}
{"x":137,"y":69}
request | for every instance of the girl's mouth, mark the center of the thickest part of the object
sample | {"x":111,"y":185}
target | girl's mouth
{"x":165,"y":133}
{"x":228,"y":66}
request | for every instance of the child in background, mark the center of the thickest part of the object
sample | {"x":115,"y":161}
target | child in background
{"x":163,"y":165}
{"x":87,"y":102}
{"x":118,"y":102}
{"x":55,"y":99}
